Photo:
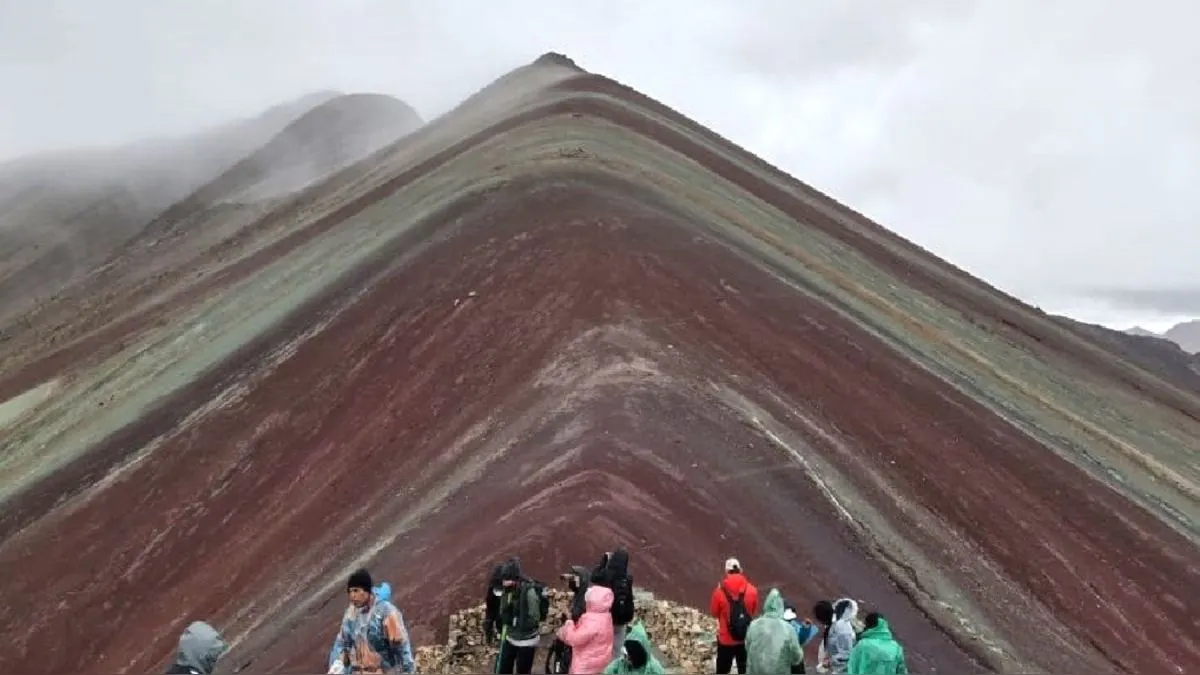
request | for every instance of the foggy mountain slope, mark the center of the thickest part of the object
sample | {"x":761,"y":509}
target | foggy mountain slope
{"x":62,"y":213}
{"x":309,"y":151}
{"x":143,"y":270}
{"x":330,"y":136}
{"x":561,"y":306}
{"x":218,"y":215}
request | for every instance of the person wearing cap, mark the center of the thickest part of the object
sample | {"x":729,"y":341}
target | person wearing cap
{"x":374,"y":639}
{"x":805,"y":630}
{"x":733,"y":586}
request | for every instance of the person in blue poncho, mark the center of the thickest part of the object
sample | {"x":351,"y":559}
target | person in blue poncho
{"x":805,"y":630}
{"x":335,"y":664}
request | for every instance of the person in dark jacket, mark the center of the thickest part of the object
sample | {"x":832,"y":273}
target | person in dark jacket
{"x":616,"y":574}
{"x":491,"y":604}
{"x":200,"y":646}
{"x":520,"y":621}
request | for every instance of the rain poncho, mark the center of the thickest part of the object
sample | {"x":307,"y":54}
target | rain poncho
{"x":637,"y":649}
{"x":375,"y":638}
{"x":771,"y":644}
{"x":335,"y":666}
{"x":591,"y":636}
{"x":877,"y":652}
{"x":837,"y":646}
{"x":200,"y":646}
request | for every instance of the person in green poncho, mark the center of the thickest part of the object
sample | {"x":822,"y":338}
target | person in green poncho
{"x":876,"y":652}
{"x":638,"y":656}
{"x":771,"y":644}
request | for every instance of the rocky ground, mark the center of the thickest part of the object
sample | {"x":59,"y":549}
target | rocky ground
{"x":683,"y":635}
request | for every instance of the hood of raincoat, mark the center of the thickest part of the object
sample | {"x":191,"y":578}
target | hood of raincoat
{"x":640,"y":640}
{"x":841,"y":638}
{"x":200,"y":646}
{"x":771,"y":644}
{"x":880,"y":631}
{"x":773,"y":606}
{"x":598,"y":599}
{"x":877,"y":651}
{"x":845,"y":608}
{"x":591,"y":637}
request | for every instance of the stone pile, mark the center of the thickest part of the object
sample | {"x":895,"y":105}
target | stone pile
{"x":683,"y":636}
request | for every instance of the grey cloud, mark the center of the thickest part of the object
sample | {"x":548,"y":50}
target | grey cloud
{"x":1052,"y":148}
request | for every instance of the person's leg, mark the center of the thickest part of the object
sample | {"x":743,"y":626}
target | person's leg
{"x":724,"y":659}
{"x":506,"y":660}
{"x":740,"y":654}
{"x":524,"y":658}
{"x":618,"y":640}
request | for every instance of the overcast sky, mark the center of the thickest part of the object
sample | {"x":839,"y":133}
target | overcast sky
{"x":1050,"y":146}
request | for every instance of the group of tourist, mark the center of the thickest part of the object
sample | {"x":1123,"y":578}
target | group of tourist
{"x":773,"y":640}
{"x":601,"y":633}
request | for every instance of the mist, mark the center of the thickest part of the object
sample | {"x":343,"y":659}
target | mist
{"x":1048,"y":148}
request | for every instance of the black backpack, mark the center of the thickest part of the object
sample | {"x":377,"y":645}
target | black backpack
{"x":622,"y":607}
{"x":739,"y":618}
{"x":543,"y":596}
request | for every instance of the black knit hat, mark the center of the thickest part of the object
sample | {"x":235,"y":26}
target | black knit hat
{"x":361,"y":578}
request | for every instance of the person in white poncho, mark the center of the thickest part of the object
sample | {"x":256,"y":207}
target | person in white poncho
{"x":839,"y":636}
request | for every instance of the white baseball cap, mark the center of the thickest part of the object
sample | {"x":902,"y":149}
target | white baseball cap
{"x":732,"y":565}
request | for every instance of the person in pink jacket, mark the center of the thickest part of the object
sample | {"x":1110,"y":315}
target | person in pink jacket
{"x":591,"y":637}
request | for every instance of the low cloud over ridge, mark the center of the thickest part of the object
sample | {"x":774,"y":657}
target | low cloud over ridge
{"x":1049,"y":149}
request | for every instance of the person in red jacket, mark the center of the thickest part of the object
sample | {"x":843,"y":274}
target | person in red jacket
{"x":732,"y":647}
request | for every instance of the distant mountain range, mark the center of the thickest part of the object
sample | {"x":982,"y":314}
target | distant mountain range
{"x":1186,"y":335}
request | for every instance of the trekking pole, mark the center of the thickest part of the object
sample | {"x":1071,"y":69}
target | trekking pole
{"x":503,"y":639}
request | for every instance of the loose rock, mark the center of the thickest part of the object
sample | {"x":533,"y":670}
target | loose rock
{"x":684,"y":636}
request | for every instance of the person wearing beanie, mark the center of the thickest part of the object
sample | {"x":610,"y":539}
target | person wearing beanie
{"x":335,"y":665}
{"x":373,"y":636}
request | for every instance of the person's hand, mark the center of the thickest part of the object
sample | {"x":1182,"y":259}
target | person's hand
{"x":489,"y":635}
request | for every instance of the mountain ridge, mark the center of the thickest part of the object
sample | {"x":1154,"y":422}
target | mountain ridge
{"x":1185,"y":334}
{"x":564,"y":307}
